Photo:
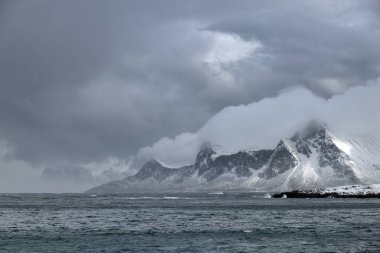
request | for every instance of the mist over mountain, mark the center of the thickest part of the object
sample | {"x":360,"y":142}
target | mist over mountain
{"x":313,"y":157}
{"x":71,"y":178}
{"x":261,"y":125}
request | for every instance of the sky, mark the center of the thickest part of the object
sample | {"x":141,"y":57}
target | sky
{"x":87,"y":82}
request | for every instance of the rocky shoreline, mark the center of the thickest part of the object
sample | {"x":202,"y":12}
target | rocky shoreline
{"x":351,"y":191}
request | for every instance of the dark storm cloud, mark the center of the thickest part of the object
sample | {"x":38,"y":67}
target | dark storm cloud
{"x":82,"y":80}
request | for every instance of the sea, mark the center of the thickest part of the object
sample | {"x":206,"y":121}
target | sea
{"x":186,"y":222}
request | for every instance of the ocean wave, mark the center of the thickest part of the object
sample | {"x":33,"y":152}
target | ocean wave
{"x":216,"y":193}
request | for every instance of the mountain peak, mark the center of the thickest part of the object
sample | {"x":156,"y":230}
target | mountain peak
{"x":152,"y":163}
{"x":311,"y":130}
{"x":204,"y":158}
{"x":206,"y":148}
{"x":149,"y":169}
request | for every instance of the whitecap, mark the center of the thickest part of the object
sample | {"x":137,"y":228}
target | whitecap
{"x":145,"y":197}
{"x":170,"y":197}
{"x":216,"y":193}
{"x":267,"y":196}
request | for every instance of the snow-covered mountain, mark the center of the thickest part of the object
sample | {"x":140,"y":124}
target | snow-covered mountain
{"x":313,"y":158}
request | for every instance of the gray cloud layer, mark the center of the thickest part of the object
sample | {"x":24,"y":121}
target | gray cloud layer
{"x":83,"y":80}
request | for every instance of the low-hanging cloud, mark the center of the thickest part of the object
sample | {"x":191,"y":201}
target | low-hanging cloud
{"x":262,"y":124}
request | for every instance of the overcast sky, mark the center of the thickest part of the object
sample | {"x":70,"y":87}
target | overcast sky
{"x":81,"y":81}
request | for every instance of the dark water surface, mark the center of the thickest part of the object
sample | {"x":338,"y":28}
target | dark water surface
{"x":233,"y":222}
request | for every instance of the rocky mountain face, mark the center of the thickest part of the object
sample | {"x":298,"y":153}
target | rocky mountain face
{"x":314,"y":157}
